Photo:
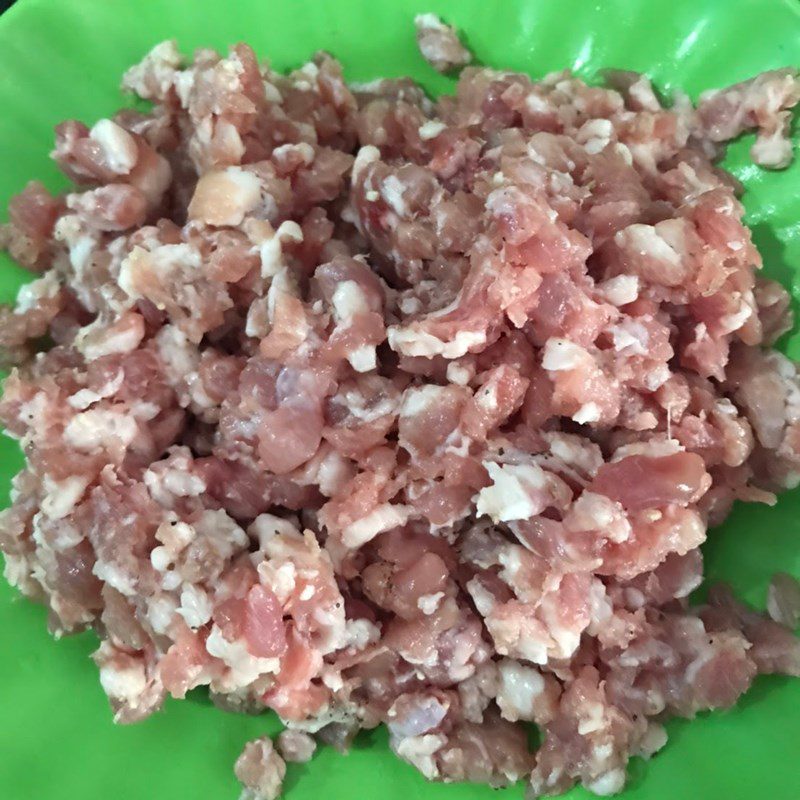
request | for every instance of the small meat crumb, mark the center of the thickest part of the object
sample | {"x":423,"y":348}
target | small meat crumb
{"x":260,"y":770}
{"x":439,"y":44}
{"x":296,"y":746}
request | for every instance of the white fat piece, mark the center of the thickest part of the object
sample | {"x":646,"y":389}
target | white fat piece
{"x":561,"y":354}
{"x":30,"y":294}
{"x":410,"y":341}
{"x":100,"y":428}
{"x":620,"y":290}
{"x":119,"y":148}
{"x":365,"y":156}
{"x":382,"y":518}
{"x":348,"y":301}
{"x":431,"y":129}
{"x":271,"y":250}
{"x":515,"y":491}
{"x":224,"y":197}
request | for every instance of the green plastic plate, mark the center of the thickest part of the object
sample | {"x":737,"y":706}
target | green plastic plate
{"x":64,"y":58}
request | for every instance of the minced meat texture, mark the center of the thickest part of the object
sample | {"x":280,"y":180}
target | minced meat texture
{"x":371,"y":409}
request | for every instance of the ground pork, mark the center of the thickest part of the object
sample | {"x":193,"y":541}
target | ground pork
{"x":439,"y":44}
{"x":368,"y":409}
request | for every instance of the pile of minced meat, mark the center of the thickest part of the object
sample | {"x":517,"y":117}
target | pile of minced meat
{"x":371,"y":409}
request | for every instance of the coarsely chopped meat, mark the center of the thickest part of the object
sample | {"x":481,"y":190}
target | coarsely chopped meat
{"x":763,"y":103}
{"x":368,"y":409}
{"x":260,"y":770}
{"x":296,"y":746}
{"x":439,"y":44}
{"x":783,"y":600}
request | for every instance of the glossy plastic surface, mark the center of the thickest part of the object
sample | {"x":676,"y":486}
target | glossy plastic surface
{"x":63,"y":58}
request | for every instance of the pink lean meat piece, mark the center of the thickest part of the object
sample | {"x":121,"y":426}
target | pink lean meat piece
{"x":368,"y":409}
